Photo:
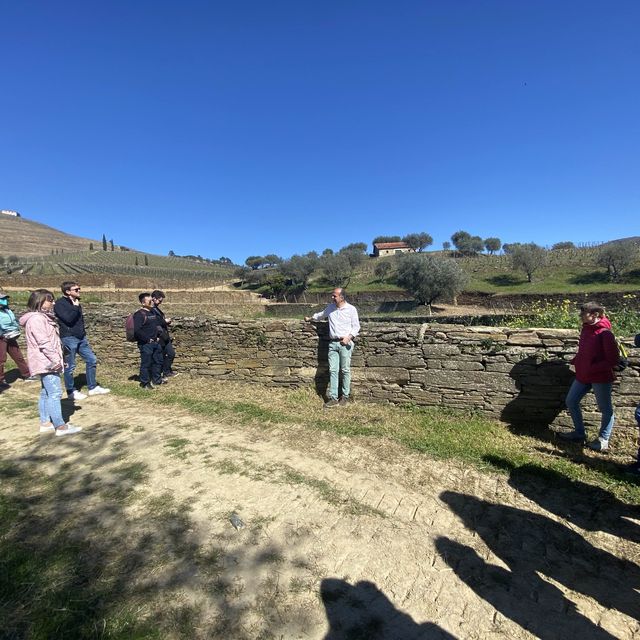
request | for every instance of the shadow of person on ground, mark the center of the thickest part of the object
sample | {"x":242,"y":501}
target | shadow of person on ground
{"x":587,"y":506}
{"x":363,"y":612}
{"x":533,"y":545}
{"x":542,"y":389}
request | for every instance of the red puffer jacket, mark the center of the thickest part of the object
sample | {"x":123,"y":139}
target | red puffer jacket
{"x":597,"y":353}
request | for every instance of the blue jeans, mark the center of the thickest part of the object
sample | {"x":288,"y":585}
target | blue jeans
{"x":49,"y":404}
{"x":73,"y":346}
{"x":602,"y":392}
{"x":339,"y":363}
{"x":151,"y":358}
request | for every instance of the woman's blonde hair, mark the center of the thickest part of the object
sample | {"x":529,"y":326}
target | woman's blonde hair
{"x":38,"y":298}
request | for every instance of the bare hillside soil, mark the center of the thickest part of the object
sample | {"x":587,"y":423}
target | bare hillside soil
{"x":334,"y":537}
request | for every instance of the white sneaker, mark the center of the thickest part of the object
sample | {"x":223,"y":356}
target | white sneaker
{"x":98,"y":391}
{"x":67,"y":430}
{"x":77,"y":395}
{"x":47,"y":428}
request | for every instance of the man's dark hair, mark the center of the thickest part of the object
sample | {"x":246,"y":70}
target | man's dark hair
{"x":158,"y":294}
{"x":67,"y":284}
{"x":142,"y":296}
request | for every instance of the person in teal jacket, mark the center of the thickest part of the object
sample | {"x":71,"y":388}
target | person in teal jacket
{"x":9,"y":333}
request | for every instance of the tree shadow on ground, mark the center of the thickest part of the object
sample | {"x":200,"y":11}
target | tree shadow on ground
{"x":593,"y":277}
{"x":363,"y":612}
{"x":87,"y":553}
{"x":542,"y":388}
{"x":587,"y":506}
{"x":505,"y":280}
{"x":537,"y":549}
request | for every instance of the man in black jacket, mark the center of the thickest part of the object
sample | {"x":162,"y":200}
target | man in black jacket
{"x":74,"y":340}
{"x":145,"y":330}
{"x":166,"y":342}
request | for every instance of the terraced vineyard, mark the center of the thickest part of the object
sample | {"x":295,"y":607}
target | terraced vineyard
{"x":96,"y":265}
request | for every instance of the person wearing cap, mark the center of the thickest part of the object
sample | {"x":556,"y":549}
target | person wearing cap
{"x":344,"y":326}
{"x":9,"y":334}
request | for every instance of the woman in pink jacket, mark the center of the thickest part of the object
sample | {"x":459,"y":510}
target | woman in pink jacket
{"x":44,"y":355}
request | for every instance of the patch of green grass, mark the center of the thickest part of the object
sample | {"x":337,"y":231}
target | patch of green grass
{"x":177,"y":446}
{"x":442,"y":433}
{"x":329,"y":493}
{"x":252,"y":411}
{"x":227,"y":467}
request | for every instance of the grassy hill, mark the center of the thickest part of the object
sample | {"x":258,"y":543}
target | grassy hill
{"x":567,"y":271}
{"x":22,"y":237}
{"x":35,"y":254}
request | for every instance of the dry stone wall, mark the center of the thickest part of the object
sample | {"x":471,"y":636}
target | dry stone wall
{"x":520,"y":376}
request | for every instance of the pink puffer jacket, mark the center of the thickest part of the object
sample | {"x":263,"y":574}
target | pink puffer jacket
{"x":44,"y":350}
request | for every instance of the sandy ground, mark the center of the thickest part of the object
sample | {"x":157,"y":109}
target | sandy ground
{"x":343,"y":537}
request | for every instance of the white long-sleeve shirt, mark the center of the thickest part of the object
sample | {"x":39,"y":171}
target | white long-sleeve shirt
{"x":343,"y":321}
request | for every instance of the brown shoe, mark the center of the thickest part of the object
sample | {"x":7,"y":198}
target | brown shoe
{"x":330,"y":403}
{"x":344,"y":401}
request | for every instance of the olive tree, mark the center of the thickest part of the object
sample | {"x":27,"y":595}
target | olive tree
{"x":492,"y":245}
{"x":429,"y":278}
{"x":337,"y":269}
{"x":617,"y":257}
{"x":466,"y":244}
{"x":382,"y":270}
{"x":528,"y":257}
{"x":418,"y":241}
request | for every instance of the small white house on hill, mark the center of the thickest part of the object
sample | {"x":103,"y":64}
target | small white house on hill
{"x":8,"y":212}
{"x":390,"y":248}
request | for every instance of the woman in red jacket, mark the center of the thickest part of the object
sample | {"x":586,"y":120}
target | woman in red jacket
{"x":594,"y":363}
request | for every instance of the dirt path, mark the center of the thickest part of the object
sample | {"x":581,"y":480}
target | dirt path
{"x":342,"y":538}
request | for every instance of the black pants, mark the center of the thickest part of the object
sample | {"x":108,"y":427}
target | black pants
{"x":150,"y":362}
{"x":169,"y":353}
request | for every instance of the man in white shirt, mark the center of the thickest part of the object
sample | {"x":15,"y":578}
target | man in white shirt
{"x":344,"y":326}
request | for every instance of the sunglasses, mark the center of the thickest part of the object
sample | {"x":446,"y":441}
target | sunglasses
{"x":75,"y":289}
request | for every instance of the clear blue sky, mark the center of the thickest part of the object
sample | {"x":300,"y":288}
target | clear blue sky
{"x":239,"y":128}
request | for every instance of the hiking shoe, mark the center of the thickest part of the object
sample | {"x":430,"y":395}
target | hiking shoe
{"x":571,"y":436}
{"x":599,"y":444}
{"x":31,"y":379}
{"x":98,"y":391}
{"x":171,"y":374}
{"x":47,"y":427}
{"x":77,"y":395}
{"x":331,"y":402}
{"x":147,"y":386}
{"x":344,"y":401}
{"x":67,"y":430}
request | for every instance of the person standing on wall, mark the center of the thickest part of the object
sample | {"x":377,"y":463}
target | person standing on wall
{"x":344,"y":326}
{"x":9,"y":333}
{"x":68,"y":310}
{"x":166,"y":341}
{"x":145,"y":331}
{"x":594,"y":364}
{"x":44,"y":353}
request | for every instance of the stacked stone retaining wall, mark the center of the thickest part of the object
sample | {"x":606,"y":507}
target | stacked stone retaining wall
{"x":520,"y":376}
